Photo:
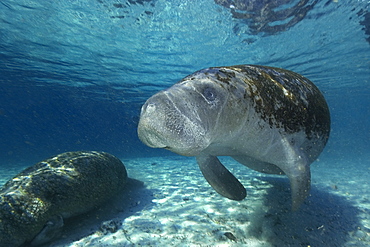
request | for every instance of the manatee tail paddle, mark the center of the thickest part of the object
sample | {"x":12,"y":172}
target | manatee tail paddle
{"x":300,"y":186}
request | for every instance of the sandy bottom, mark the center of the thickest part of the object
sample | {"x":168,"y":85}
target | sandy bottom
{"x":168,"y":203}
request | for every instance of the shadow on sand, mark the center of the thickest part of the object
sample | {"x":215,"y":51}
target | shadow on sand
{"x":325,"y":219}
{"x":107,"y":218}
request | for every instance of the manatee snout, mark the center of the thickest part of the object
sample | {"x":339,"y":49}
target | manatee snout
{"x":171,"y":124}
{"x":151,"y":127}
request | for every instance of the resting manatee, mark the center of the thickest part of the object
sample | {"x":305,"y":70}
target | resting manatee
{"x":269,"y":119}
{"x":34,"y":203}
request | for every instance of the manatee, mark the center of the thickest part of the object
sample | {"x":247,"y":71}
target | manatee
{"x":34,"y":204}
{"x":269,"y":119}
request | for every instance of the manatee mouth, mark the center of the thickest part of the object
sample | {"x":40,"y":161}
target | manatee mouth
{"x":150,"y":138}
{"x":171,"y":123}
{"x":158,"y":122}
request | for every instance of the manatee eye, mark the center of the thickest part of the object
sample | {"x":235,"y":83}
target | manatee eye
{"x":209,"y":94}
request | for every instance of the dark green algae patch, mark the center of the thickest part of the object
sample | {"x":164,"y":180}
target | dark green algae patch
{"x":34,"y":203}
{"x":284,"y":98}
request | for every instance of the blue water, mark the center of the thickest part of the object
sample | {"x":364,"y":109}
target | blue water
{"x":74,"y":74}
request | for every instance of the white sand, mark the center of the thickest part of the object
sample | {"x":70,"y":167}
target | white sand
{"x":175,"y":206}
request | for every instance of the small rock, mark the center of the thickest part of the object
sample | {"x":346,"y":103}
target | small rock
{"x":230,"y":236}
{"x":110,"y":226}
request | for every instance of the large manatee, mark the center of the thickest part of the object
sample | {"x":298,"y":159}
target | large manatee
{"x":272,"y":120}
{"x":34,"y":203}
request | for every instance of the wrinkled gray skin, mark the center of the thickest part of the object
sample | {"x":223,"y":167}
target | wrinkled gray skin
{"x":34,"y":204}
{"x":271,"y":120}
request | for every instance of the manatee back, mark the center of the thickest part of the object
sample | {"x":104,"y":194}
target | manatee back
{"x":67,"y":184}
{"x":288,"y":100}
{"x":281,"y":99}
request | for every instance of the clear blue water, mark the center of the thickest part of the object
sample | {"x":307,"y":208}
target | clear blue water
{"x":74,"y":73}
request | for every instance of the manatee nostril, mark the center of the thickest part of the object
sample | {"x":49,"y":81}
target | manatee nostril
{"x":150,"y":108}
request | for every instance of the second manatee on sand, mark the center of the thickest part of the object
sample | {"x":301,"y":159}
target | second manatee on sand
{"x":34,"y":203}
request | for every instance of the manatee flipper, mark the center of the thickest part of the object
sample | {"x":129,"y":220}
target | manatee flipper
{"x":220,"y":178}
{"x":258,"y":165}
{"x":52,"y":229}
